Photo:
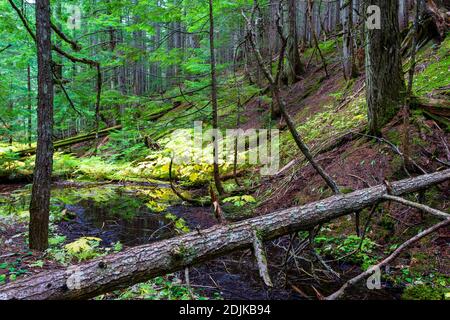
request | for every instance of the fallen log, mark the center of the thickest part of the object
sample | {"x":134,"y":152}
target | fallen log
{"x":437,"y":106}
{"x":73,"y":140}
{"x":141,"y":263}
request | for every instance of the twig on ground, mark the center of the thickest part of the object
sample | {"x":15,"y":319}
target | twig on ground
{"x":341,"y":292}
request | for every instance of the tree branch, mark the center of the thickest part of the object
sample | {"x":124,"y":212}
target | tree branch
{"x":341,"y":292}
{"x":417,"y":206}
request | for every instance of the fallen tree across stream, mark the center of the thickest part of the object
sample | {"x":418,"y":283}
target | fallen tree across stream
{"x":141,"y":263}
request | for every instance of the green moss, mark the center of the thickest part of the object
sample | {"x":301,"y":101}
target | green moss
{"x":435,"y":75}
{"x":325,"y":125}
{"x":397,"y":166}
{"x":424,"y":292}
{"x":327,"y":47}
{"x":418,"y":142}
{"x":394,"y":137}
{"x":421,"y":263}
{"x":387,"y":225}
{"x":346,"y":190}
{"x":233,"y":212}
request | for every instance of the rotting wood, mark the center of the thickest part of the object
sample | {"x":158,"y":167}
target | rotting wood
{"x":261,"y":258}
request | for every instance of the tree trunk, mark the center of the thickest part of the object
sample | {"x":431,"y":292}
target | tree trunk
{"x":406,"y":107}
{"x":295,"y":66}
{"x":315,"y":38}
{"x":274,"y":39}
{"x":278,"y":100}
{"x":29,"y":116}
{"x":141,"y":263}
{"x":348,"y":45}
{"x":403,"y":13}
{"x":40,"y":198}
{"x":385,"y":86}
{"x":215,"y":115}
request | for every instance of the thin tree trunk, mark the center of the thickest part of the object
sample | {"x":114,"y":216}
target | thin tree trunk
{"x":40,"y":198}
{"x":348,"y":45}
{"x":274,"y":41}
{"x":406,"y":108}
{"x":29,"y":117}
{"x":314,"y":35}
{"x":403,"y":13}
{"x":281,"y":104}
{"x":215,"y":121}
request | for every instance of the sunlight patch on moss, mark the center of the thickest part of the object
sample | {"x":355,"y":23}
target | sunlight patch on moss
{"x":326,"y":125}
{"x":435,"y":75}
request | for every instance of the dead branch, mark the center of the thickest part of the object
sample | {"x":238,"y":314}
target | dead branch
{"x":419,"y":206}
{"x":282,"y":105}
{"x":261,"y":259}
{"x":341,"y":292}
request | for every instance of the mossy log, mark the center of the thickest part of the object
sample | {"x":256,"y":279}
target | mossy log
{"x":440,"y":107}
{"x":73,"y":140}
{"x":436,"y":109}
{"x":141,"y":263}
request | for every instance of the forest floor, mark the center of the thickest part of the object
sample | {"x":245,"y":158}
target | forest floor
{"x":98,"y":210}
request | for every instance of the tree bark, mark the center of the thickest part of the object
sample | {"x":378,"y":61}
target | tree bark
{"x":29,"y":116}
{"x":141,"y":263}
{"x":274,"y":40}
{"x":215,"y":116}
{"x":348,"y":45}
{"x":385,"y":86}
{"x":40,"y":198}
{"x":411,"y":71}
{"x":295,"y":66}
{"x":403,"y":14}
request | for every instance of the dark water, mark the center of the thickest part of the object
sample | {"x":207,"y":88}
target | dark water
{"x":126,"y":219}
{"x":124,"y":215}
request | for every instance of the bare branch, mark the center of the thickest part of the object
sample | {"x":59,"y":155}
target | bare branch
{"x":341,"y":292}
{"x":261,"y":259}
{"x":419,"y":206}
